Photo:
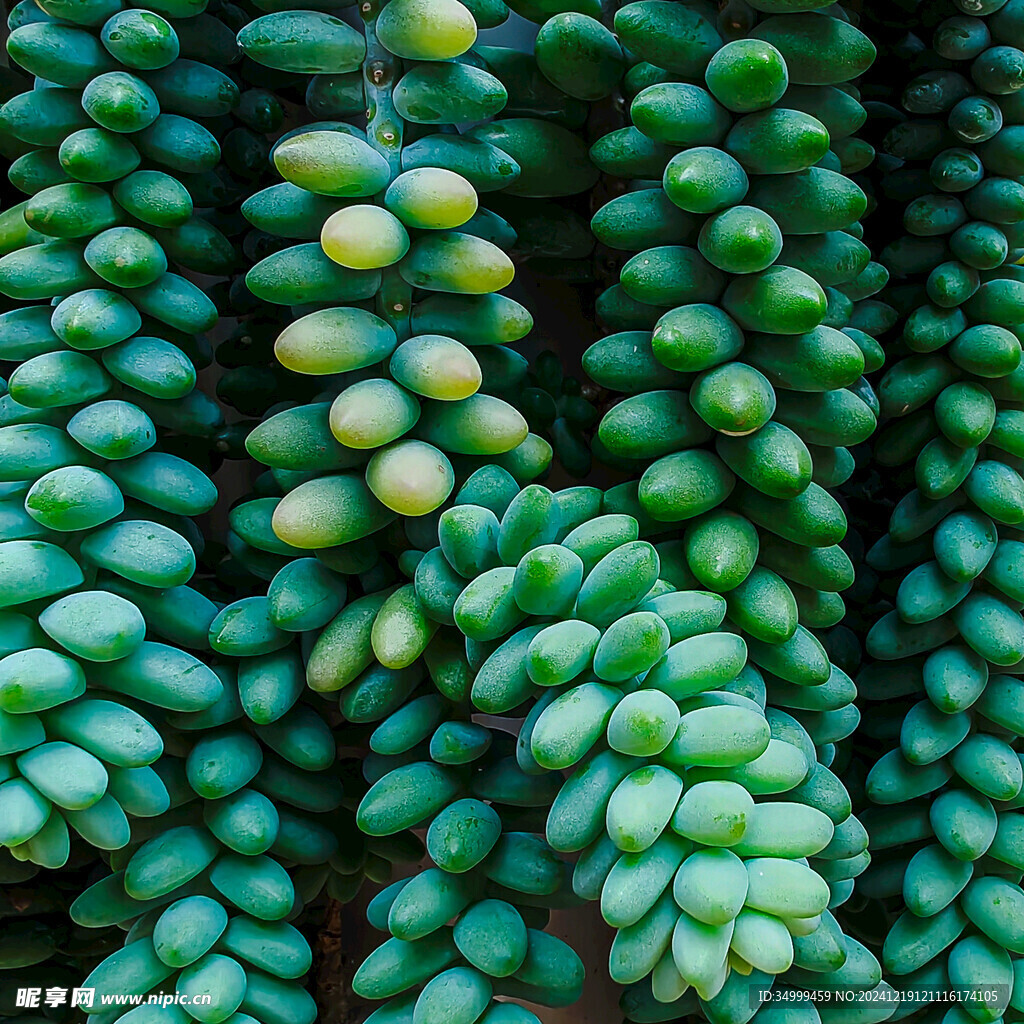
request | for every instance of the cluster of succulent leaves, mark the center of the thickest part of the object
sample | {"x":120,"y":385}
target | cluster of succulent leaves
{"x":410,"y":644}
{"x":945,"y":777}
